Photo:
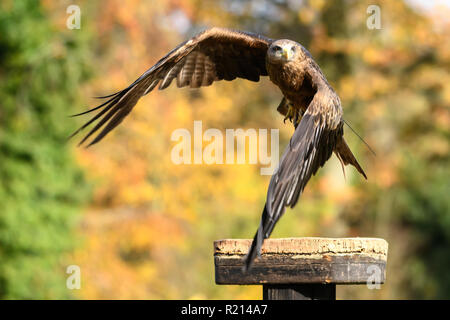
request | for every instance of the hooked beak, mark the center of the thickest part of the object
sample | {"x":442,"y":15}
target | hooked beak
{"x":286,"y":53}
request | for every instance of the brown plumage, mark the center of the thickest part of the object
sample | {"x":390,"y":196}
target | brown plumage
{"x":308,"y":101}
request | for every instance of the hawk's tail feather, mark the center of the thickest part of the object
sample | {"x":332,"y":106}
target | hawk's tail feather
{"x":346,"y":156}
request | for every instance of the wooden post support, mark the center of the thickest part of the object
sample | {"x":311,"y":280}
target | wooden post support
{"x":302,"y":268}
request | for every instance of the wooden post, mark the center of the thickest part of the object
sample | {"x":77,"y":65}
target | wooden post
{"x":302,"y":268}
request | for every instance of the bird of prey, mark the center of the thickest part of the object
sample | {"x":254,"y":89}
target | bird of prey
{"x":309,"y":102}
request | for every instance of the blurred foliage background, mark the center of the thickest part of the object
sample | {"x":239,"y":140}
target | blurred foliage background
{"x":141,"y":227}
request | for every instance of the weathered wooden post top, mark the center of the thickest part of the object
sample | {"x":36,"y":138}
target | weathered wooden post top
{"x":302,"y":268}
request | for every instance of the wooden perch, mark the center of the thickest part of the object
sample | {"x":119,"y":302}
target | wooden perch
{"x":303,"y":268}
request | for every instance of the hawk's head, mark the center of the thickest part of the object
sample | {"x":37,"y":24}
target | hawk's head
{"x":282,"y":51}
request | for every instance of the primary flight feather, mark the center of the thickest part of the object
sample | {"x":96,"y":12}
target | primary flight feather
{"x":308,"y":101}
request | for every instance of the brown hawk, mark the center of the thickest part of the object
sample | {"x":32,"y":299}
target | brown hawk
{"x":309,"y":102}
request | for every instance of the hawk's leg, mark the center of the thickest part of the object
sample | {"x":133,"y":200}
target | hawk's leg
{"x":294,"y":115}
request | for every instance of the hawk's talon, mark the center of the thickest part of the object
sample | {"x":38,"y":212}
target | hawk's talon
{"x":292,"y":115}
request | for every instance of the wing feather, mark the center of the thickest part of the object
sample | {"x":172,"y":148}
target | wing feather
{"x":310,"y":147}
{"x":210,"y":72}
{"x":212,"y":55}
{"x":151,"y":86}
{"x":199,"y":71}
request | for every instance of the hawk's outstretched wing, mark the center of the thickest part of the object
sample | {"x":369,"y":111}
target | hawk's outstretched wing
{"x":215,"y":54}
{"x":310,"y":147}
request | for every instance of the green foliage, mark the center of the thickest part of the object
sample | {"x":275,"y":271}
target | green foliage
{"x":41,"y":187}
{"x":423,"y":205}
